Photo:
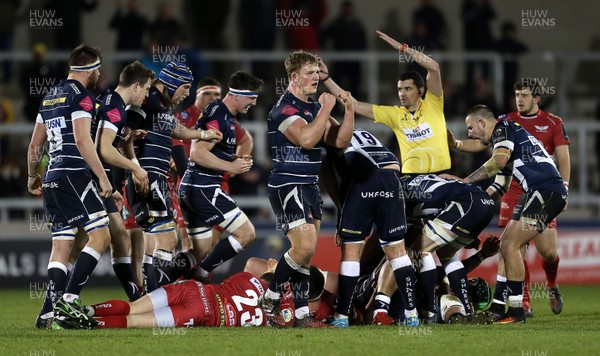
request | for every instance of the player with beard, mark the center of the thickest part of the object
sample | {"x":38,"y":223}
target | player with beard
{"x":71,"y":197}
{"x":550,"y":131}
{"x":153,"y":210}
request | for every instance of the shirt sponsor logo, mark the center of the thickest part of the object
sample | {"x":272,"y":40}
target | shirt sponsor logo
{"x":419,"y":133}
{"x":86,"y":104}
{"x":382,"y":194}
{"x":56,"y":123}
{"x":257,"y":284}
{"x":230,"y":314}
{"x":50,"y":102}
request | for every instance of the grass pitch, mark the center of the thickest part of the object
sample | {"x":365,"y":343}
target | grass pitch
{"x":574,"y":332}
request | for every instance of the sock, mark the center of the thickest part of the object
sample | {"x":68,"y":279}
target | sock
{"x":283,"y":272}
{"x":426,"y":282}
{"x":347,"y":279}
{"x":123,"y":271}
{"x":225,"y":250}
{"x":162,"y":262}
{"x":183,"y":262}
{"x":111,"y":307}
{"x":57,"y":281}
{"x":300,"y":282}
{"x":500,"y":291}
{"x":457,"y":276}
{"x":149,"y":274}
{"x":404,"y":274}
{"x":526,"y":298}
{"x":84,"y":266}
{"x":551,"y":269}
{"x":113,"y":321}
{"x":515,"y":293}
{"x":381,"y":304}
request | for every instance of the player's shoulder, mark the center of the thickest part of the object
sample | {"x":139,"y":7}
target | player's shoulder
{"x":215,"y":110}
{"x":154,"y":102}
{"x":550,"y":117}
{"x":247,"y":279}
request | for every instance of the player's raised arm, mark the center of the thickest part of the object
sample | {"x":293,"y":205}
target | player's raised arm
{"x":307,"y":135}
{"x":338,"y":135}
{"x":361,"y":108}
{"x":434,"y":79}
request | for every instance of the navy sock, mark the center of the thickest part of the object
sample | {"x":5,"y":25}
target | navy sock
{"x":300,"y":283}
{"x":514,"y":288}
{"x":405,"y":278}
{"x":500,"y":293}
{"x":84,"y":266}
{"x":223,"y":251}
{"x":346,"y":286}
{"x":57,"y":281}
{"x":162,"y":262}
{"x":426,"y":283}
{"x":381,"y":302}
{"x":149,"y":274}
{"x":458,"y":285}
{"x":123,"y":271}
{"x":183,"y":262}
{"x":283,"y":273}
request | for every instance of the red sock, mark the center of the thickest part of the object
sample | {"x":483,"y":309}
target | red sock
{"x":526,"y":284}
{"x":111,"y":307}
{"x":551,"y":269}
{"x":113,"y":321}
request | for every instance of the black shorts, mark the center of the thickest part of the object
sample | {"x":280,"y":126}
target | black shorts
{"x":72,"y":200}
{"x":205,"y":207}
{"x":295,"y":205}
{"x":376,"y":200}
{"x":539,"y":207}
{"x":467,"y":214}
{"x":155,"y":206}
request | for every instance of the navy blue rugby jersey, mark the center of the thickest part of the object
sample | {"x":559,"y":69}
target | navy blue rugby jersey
{"x":110,"y":114}
{"x":292,"y":164}
{"x":426,"y":194}
{"x":154,"y":151}
{"x":215,"y":116}
{"x":532,"y":166}
{"x":66,"y":102}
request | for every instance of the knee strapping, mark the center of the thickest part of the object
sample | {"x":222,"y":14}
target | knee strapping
{"x":161,"y":227}
{"x":97,"y":223}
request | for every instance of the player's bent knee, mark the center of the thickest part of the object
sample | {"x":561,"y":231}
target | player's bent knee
{"x":234,"y":220}
{"x":437,"y":234}
{"x":67,"y":234}
{"x":97,"y":222}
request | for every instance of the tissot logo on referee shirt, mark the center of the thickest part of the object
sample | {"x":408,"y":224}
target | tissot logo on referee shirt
{"x":418,"y":133}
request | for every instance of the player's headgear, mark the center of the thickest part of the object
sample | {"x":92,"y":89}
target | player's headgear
{"x":480,"y":293}
{"x":174,"y":75}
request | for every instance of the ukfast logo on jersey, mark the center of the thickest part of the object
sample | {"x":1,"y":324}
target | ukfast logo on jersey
{"x":382,"y":194}
{"x":421,"y":132}
{"x":56,"y":123}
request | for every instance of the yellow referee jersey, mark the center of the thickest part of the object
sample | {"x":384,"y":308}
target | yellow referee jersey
{"x":421,"y":137}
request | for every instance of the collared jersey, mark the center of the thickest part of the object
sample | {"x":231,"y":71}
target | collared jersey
{"x":421,"y":136}
{"x":154,"y":151}
{"x":546,"y":127}
{"x":66,"y":102}
{"x":110,"y":115}
{"x":532,"y":166}
{"x":292,"y":164}
{"x":215,"y":116}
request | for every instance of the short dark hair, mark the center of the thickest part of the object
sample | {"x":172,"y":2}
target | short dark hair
{"x":481,"y":111}
{"x":84,"y":54}
{"x":528,"y":84}
{"x":416,"y":78}
{"x":208,"y":81}
{"x":245,"y":81}
{"x":267,"y":277}
{"x":135,"y":72}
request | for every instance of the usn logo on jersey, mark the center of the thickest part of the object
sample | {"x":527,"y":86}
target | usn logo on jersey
{"x":56,"y":123}
{"x":419,"y":133}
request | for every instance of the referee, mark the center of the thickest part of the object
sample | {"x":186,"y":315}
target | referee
{"x":418,"y":123}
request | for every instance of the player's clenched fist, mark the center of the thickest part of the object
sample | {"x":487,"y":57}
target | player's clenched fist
{"x":327,"y":100}
{"x":346,"y":98}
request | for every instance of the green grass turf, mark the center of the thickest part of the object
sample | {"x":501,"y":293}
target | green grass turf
{"x":574,"y":332}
